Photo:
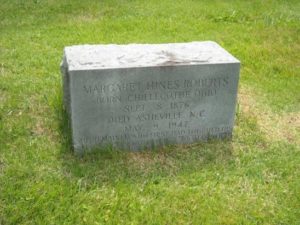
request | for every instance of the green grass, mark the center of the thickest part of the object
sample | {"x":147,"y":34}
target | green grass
{"x":253,"y":179}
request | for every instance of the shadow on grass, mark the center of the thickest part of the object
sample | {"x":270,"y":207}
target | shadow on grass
{"x":109,"y":166}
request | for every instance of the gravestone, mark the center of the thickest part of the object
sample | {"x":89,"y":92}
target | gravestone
{"x":140,"y":96}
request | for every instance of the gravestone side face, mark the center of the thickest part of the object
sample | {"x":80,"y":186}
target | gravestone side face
{"x":140,"y":96}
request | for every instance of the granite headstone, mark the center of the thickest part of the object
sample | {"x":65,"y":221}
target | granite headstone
{"x":140,"y":96}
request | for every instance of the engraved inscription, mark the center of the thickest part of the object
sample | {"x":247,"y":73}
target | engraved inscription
{"x":170,"y":106}
{"x":183,"y":134}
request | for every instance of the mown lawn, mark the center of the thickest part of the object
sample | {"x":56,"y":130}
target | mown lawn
{"x":253,"y":179}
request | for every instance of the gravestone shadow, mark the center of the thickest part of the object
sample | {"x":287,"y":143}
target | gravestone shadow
{"x":108,"y":166}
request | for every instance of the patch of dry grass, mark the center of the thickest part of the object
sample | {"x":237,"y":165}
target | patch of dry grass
{"x":276,"y":127}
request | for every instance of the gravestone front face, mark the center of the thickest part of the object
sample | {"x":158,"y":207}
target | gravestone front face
{"x":139,"y":96}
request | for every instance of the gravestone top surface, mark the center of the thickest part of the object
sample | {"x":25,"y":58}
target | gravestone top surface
{"x":111,"y":56}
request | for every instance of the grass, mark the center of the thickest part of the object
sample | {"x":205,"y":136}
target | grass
{"x":253,"y":179}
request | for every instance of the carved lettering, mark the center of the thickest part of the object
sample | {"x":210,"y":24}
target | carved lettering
{"x":133,"y":108}
{"x":159,"y":116}
{"x":179,"y":124}
{"x":163,"y":85}
{"x":119,"y":119}
{"x":197,"y":114}
{"x":133,"y":128}
{"x":179,"y":105}
{"x":109,"y":99}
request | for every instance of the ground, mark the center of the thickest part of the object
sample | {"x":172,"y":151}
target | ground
{"x":253,"y":179}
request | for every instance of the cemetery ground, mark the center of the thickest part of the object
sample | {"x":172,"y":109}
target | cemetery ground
{"x":253,"y":179}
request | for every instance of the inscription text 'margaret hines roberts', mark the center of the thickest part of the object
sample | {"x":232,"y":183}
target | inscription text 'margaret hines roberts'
{"x":112,"y":92}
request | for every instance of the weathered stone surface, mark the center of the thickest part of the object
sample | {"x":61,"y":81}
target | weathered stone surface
{"x":144,"y":95}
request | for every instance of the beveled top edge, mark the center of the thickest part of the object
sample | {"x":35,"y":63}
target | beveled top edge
{"x":90,"y":57}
